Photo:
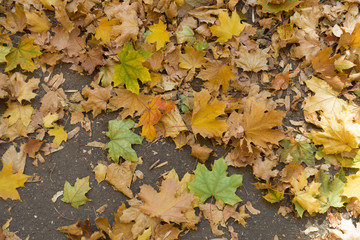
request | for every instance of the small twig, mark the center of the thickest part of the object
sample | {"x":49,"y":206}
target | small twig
{"x":161,"y":164}
{"x":62,"y":216}
{"x":154,"y":164}
{"x":51,"y":171}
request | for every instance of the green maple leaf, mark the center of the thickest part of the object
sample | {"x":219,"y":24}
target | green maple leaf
{"x":23,"y":55}
{"x":216,"y":183}
{"x":300,"y":151}
{"x":121,"y":140}
{"x":130,"y":69}
{"x":330,"y":192}
{"x":75,"y":195}
{"x":274,"y":8}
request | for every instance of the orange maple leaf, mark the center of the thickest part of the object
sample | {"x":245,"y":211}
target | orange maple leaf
{"x":152,"y":115}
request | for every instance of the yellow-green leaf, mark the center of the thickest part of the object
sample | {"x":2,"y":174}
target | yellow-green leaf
{"x":4,"y":50}
{"x":23,"y":55}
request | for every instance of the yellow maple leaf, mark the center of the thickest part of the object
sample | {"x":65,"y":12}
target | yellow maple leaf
{"x":9,"y":182}
{"x":306,"y":198}
{"x":37,"y":23}
{"x":16,"y":111}
{"x":59,"y":133}
{"x":104,"y":31}
{"x":228,"y":26}
{"x":352,"y":186}
{"x":22,"y":89}
{"x":258,"y":124}
{"x":158,"y":34}
{"x":340,"y":133}
{"x":204,"y":115}
{"x":325,"y":98}
{"x":49,"y":119}
{"x":217,"y":74}
{"x":192,"y":58}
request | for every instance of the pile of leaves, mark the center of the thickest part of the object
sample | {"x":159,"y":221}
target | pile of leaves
{"x":187,"y":70}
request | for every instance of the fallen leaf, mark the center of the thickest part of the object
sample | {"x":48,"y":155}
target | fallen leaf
{"x":120,"y":177}
{"x":104,"y":30}
{"x":17,"y":159}
{"x":9,"y":182}
{"x":75,"y":195}
{"x":165,"y":204}
{"x":23,"y":55}
{"x":130,"y":69}
{"x":121,"y":139}
{"x":215,"y":183}
{"x":59,"y":133}
{"x":352,"y":185}
{"x":228,"y":27}
{"x":192,"y":58}
{"x":97,"y":98}
{"x":204,"y":118}
{"x":201,"y":152}
{"x":158,"y":35}
{"x":253,"y":60}
{"x":37,"y":22}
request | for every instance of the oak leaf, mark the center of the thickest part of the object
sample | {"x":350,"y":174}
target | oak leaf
{"x":75,"y":195}
{"x":228,"y":27}
{"x":158,"y":34}
{"x":152,"y":115}
{"x":192,"y":58}
{"x":97,"y":98}
{"x":103,"y":32}
{"x":204,"y":115}
{"x":165,"y":204}
{"x":59,"y":133}
{"x":23,"y":55}
{"x":258,"y":124}
{"x":217,"y":74}
{"x":121,"y":139}
{"x":215,"y":183}
{"x":130,"y":69}
{"x":9,"y":182}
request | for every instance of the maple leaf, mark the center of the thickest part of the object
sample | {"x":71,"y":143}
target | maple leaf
{"x":97,"y":98}
{"x":130,"y":69}
{"x":204,"y":115}
{"x":330,"y":191}
{"x":352,"y":186}
{"x":15,"y":20}
{"x":93,"y":58}
{"x":121,"y":139}
{"x":215,"y":183}
{"x":23,"y":55}
{"x":121,"y":176}
{"x":4,"y":50}
{"x":9,"y":182}
{"x":325,"y":98}
{"x":258,"y":124}
{"x":340,"y":134}
{"x":253,"y":60}
{"x":103,"y":32}
{"x":185,"y":35}
{"x":59,"y":133}
{"x":75,"y":195}
{"x":165,"y":204}
{"x":16,"y":112}
{"x":152,"y":115}
{"x":22,"y":89}
{"x":81,"y":231}
{"x":274,"y":196}
{"x":217,"y":74}
{"x":274,"y":8}
{"x":132,"y":104}
{"x":306,"y":199}
{"x":38,"y":23}
{"x":158,"y":34}
{"x":301,"y":151}
{"x":192,"y":58}
{"x":228,"y":27}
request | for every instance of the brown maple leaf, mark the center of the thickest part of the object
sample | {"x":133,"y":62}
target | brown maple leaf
{"x":97,"y":98}
{"x":258,"y":124}
{"x":93,"y":58}
{"x":165,"y":204}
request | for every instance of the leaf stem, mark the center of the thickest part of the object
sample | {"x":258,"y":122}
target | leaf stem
{"x":348,"y":90}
